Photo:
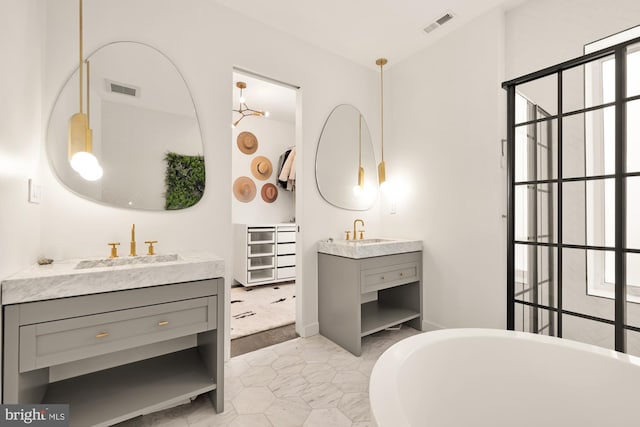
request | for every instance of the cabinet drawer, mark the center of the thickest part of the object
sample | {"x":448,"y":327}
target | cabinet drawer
{"x":286,"y":236}
{"x":286,"y":260}
{"x":261,"y":235}
{"x":257,"y":263}
{"x":261,"y":249}
{"x":260,"y":275}
{"x":389,"y":276}
{"x":52,"y":343}
{"x":286,"y":249}
{"x":286,"y":273}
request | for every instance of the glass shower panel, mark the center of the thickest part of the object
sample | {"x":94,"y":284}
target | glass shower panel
{"x":633,"y":343}
{"x":586,"y":287}
{"x":633,"y":212}
{"x":536,"y":215}
{"x":633,"y":70}
{"x":588,"y":143}
{"x":536,"y":151}
{"x":588,"y":212}
{"x":543,"y":93}
{"x":535,"y":275}
{"x":588,"y":331}
{"x":633,"y":289}
{"x":582,"y":86}
{"x":535,"y":320}
{"x":633,"y":136}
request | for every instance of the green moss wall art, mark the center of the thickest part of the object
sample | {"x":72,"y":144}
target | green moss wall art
{"x":184,"y":181}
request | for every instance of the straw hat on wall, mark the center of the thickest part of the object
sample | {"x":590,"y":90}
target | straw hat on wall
{"x":261,"y":168}
{"x":247,"y":142}
{"x":244,"y":189}
{"x":269,"y":193}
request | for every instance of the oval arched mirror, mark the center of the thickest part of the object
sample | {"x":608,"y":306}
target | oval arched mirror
{"x":146,"y":134}
{"x":345,"y":147}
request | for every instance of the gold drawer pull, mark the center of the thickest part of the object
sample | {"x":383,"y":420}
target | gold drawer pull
{"x":102,"y":335}
{"x":163,"y":323}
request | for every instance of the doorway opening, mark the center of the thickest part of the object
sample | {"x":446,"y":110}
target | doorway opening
{"x":264,"y":286}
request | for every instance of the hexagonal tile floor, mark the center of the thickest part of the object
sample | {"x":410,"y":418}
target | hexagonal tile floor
{"x":305,"y":382}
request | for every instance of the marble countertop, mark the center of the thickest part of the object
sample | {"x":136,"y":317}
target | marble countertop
{"x":63,"y":278}
{"x":368,"y":248}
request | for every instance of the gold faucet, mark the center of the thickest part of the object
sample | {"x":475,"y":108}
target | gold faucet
{"x":355,"y":230}
{"x":151,"y":250}
{"x":114,"y":250}
{"x":133,"y":241}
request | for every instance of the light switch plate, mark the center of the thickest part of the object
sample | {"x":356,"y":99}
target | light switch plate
{"x":35,"y":192}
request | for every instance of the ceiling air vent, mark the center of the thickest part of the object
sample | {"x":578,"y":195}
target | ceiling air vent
{"x":438,"y":22}
{"x":123,"y":89}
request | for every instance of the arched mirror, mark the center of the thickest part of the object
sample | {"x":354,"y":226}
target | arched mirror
{"x":344,"y":150}
{"x":146,"y":133}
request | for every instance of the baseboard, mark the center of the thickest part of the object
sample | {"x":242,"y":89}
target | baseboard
{"x":308,"y":330}
{"x":430,"y":326}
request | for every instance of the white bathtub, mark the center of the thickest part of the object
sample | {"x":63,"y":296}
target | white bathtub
{"x":494,"y":378}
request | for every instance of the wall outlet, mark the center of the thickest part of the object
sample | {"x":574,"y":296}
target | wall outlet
{"x":35,"y":192}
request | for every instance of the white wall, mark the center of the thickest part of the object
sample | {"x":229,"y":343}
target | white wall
{"x":134,"y":143}
{"x":444,"y":152}
{"x":196,"y":35}
{"x":274,"y":138}
{"x":542,"y":33}
{"x":21,"y":44}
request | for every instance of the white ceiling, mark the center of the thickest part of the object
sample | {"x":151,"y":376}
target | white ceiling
{"x":363,"y":30}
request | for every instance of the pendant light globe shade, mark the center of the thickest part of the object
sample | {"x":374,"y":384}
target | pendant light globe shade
{"x":86,"y":165}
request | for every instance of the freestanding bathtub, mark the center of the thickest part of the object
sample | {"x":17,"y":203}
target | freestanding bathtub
{"x":494,"y":378}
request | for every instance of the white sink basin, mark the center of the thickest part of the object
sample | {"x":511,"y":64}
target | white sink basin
{"x":369,"y":241}
{"x":368,"y":248}
{"x":113,"y":262}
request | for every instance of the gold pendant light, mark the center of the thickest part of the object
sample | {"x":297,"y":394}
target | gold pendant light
{"x":357,"y":189}
{"x":382,"y":173}
{"x":80,"y":141}
{"x":243,"y":109}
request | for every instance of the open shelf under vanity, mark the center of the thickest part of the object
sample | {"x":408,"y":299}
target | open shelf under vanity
{"x":118,"y":394}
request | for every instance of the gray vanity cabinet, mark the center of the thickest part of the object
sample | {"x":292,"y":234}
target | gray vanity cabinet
{"x":117,"y":355}
{"x":358,"y":297}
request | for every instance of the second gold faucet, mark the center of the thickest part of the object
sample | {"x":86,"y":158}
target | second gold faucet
{"x":355,"y":230}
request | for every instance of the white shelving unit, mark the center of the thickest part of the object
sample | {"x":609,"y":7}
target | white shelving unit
{"x":264,"y":253}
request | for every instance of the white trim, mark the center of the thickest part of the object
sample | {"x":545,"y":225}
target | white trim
{"x":614,"y":39}
{"x":308,"y":330}
{"x":428,"y":326}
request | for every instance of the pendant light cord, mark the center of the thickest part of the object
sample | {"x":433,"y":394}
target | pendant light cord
{"x":382,"y":112}
{"x":360,"y":142}
{"x":80,"y":51}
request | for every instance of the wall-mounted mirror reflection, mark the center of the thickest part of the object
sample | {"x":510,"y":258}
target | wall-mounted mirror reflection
{"x":146,"y":133}
{"x":346,"y":172}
